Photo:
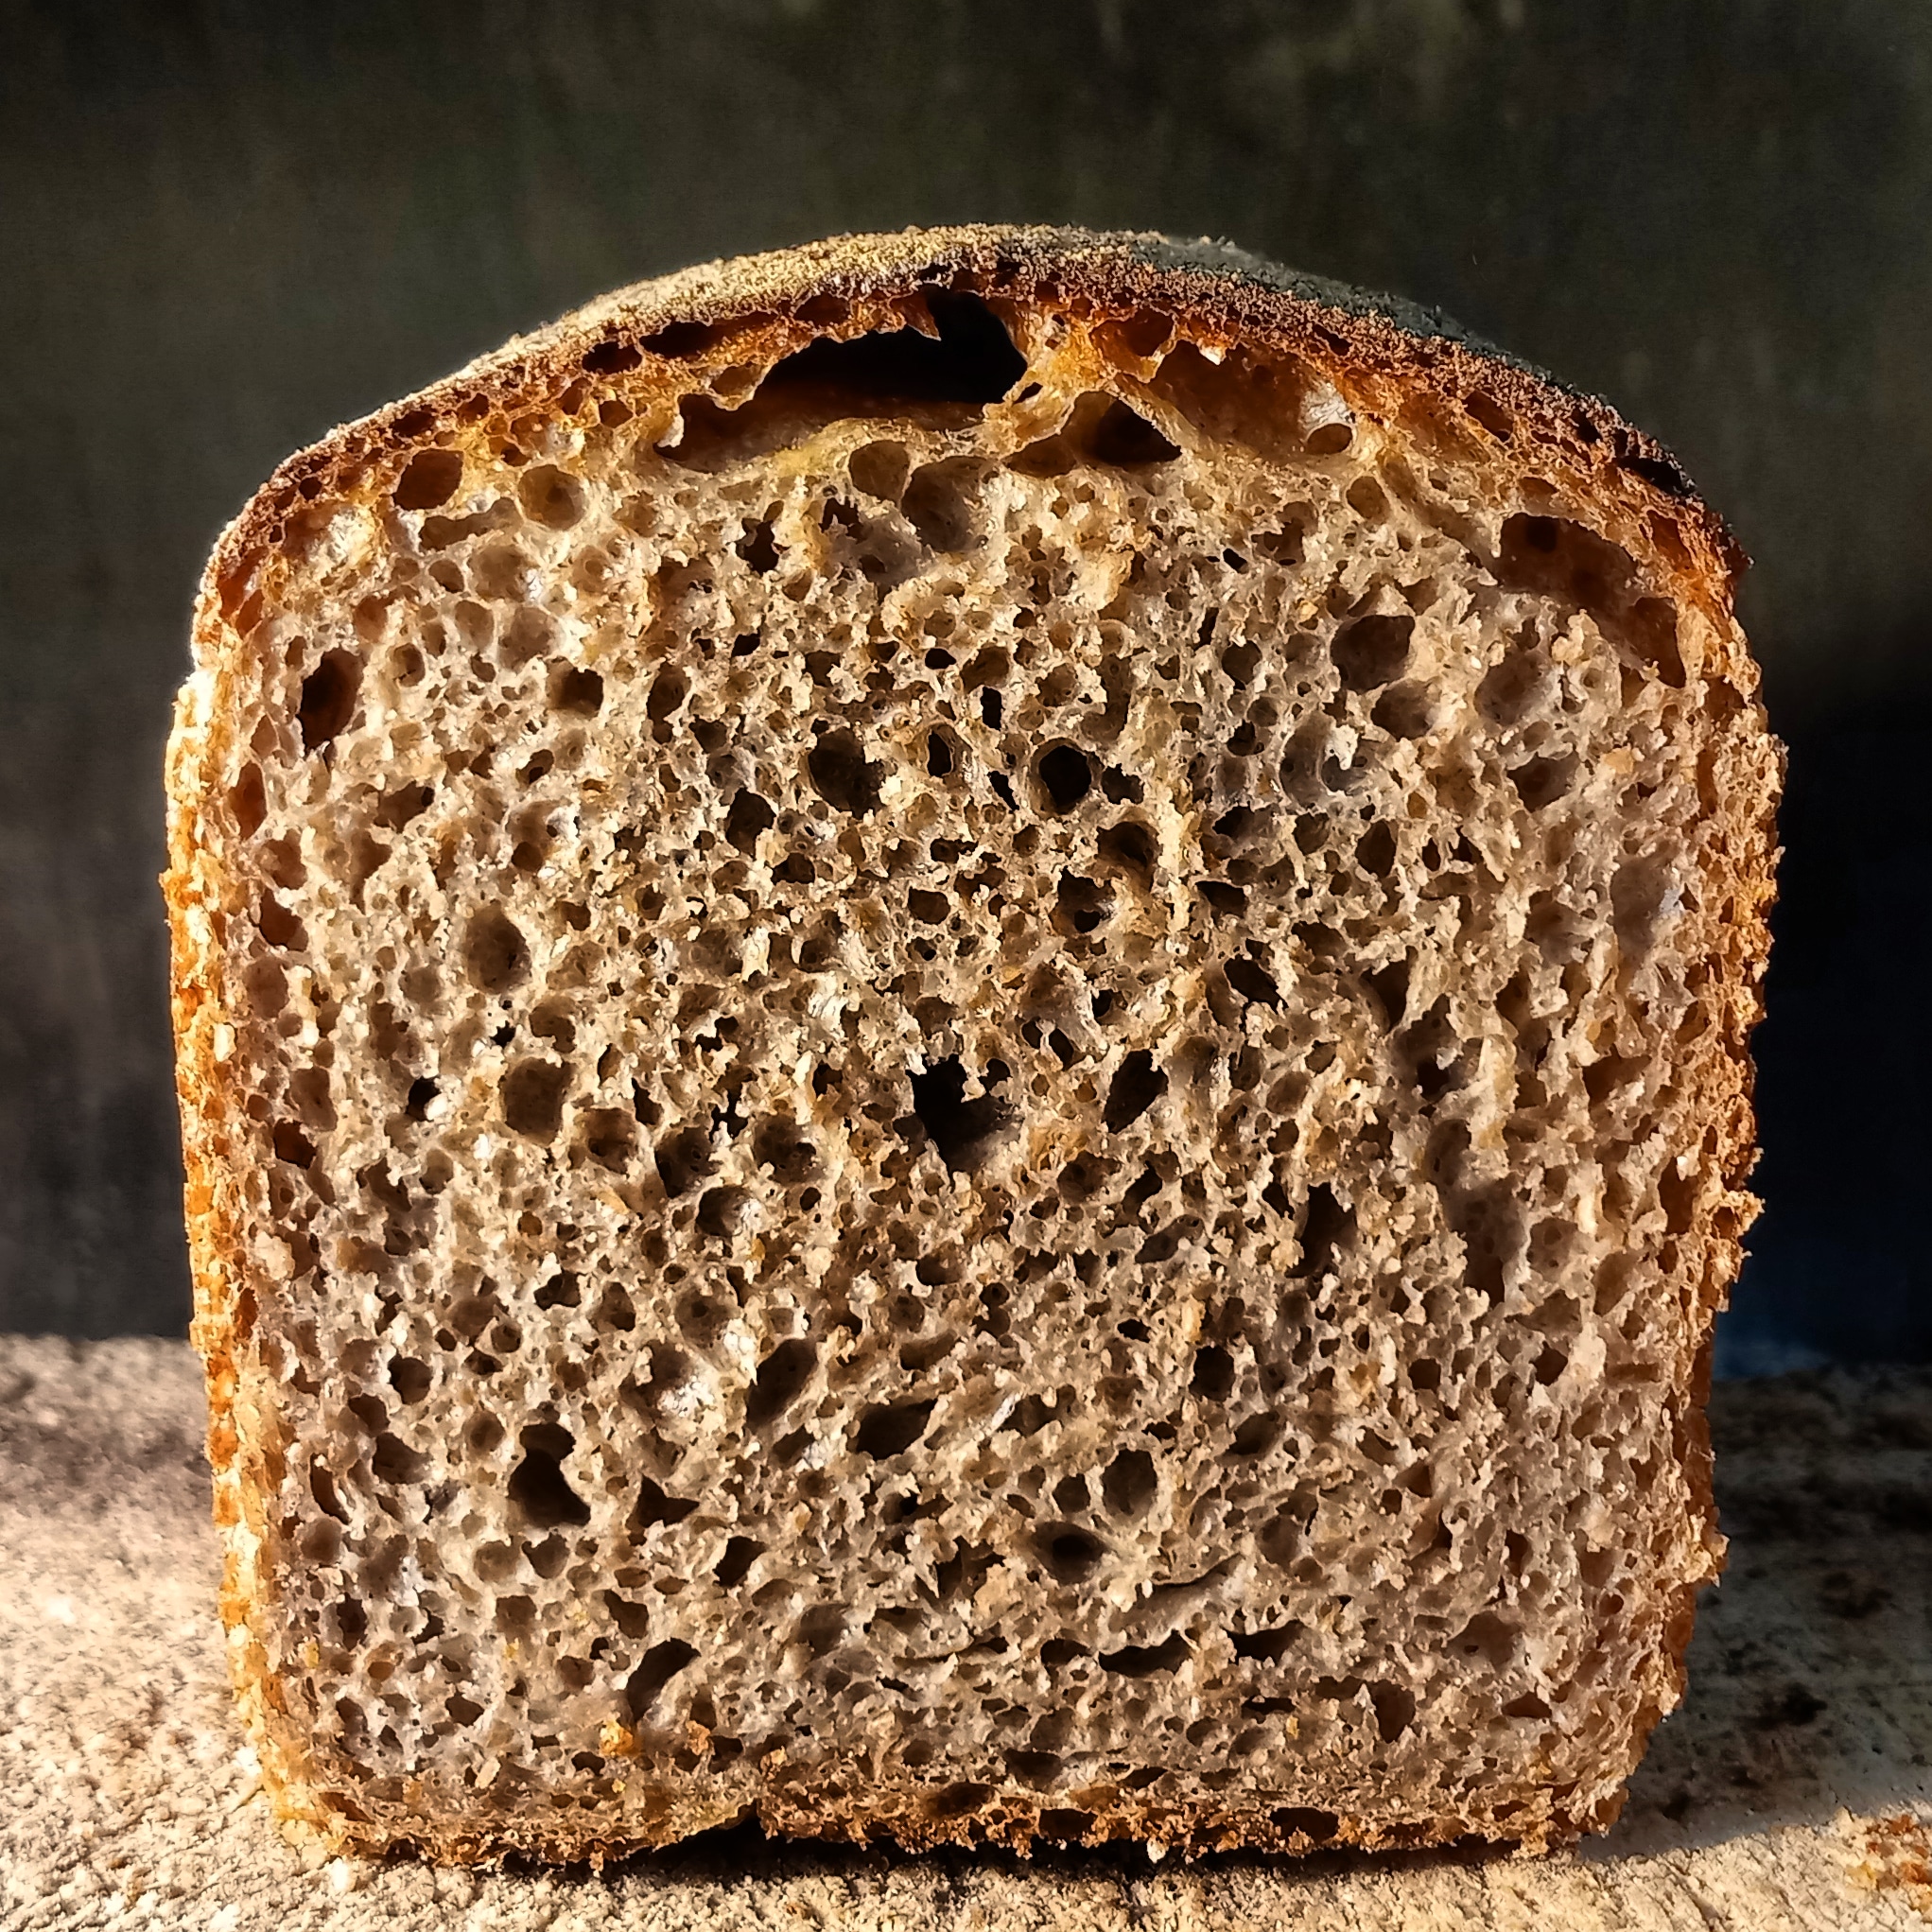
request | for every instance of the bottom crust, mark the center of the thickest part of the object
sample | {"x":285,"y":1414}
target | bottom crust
{"x":925,"y":1819}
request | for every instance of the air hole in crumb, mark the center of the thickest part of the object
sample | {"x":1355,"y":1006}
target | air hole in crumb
{"x":1241,"y":661}
{"x":891,"y":1428}
{"x":721,"y":1211}
{"x":398,"y":808}
{"x":939,"y":755}
{"x":1326,"y":1226}
{"x":1069,"y":1826}
{"x":740,"y":1553}
{"x":247,"y":800}
{"x":1301,"y":1821}
{"x":1395,"y":1710}
{"x":758,"y":547}
{"x":280,"y":926}
{"x":655,"y":1669}
{"x":1081,"y":904}
{"x":321,"y":1541}
{"x":684,"y":1160}
{"x":786,"y":1148}
{"x":550,"y":497}
{"x":1371,"y":651}
{"x":655,"y":1506}
{"x":973,"y":360}
{"x":1034,"y":1768}
{"x":394,"y":1461}
{"x":328,"y":698}
{"x":1213,"y":1376}
{"x":1366,"y":500}
{"x":881,"y":469}
{"x":292,"y":1146}
{"x":1390,"y":987}
{"x":430,"y":478}
{"x":781,"y":1380}
{"x":1375,"y":852}
{"x":842,"y":777}
{"x":1490,"y":414}
{"x":533,"y":1095}
{"x":495,"y":955}
{"x":538,"y":1488}
{"x":1084,"y":1176}
{"x":669,"y":691}
{"x":1491,"y":1637}
{"x":964,"y":1131}
{"x":1130,"y":846}
{"x":409,"y":1378}
{"x":1065,"y":776}
{"x":631,"y":1618}
{"x":1268,"y":1647}
{"x":1541,"y":781}
{"x":321,"y":1486}
{"x":749,"y":816}
{"x":1135,"y":1086}
{"x":1406,"y":710}
{"x":1069,"y":1553}
{"x":1125,"y":439}
{"x":610,"y":1136}
{"x":611,"y":358}
{"x":579,"y":692}
{"x":1653,"y":630}
{"x":562,"y":1290}
{"x":941,"y":503}
{"x":1253,"y":982}
{"x":1129,"y":1484}
{"x":1146,"y":1659}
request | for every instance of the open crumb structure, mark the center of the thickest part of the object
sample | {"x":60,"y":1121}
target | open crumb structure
{"x":964,"y":1031}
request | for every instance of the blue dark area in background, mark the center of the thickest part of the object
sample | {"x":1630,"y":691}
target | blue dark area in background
{"x":224,"y":228}
{"x":1840,"y":1265}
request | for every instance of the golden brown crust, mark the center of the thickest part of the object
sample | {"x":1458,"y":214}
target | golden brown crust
{"x":1390,"y":362}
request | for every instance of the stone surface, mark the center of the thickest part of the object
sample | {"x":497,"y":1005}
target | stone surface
{"x":1791,"y":1792}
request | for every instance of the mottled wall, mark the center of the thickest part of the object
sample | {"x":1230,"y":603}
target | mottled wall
{"x":225,"y":227}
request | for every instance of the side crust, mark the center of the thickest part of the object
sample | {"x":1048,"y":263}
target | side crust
{"x":1386,"y":357}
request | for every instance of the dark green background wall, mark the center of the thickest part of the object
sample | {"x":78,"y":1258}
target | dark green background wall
{"x":224,"y":228}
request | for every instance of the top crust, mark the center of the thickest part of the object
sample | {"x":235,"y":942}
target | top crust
{"x":1376,"y":349}
{"x":1388,"y":359}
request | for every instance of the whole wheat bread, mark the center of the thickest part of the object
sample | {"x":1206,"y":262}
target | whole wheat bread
{"x":962,"y":1030}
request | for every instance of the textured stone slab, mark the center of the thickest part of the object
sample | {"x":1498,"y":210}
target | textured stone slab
{"x":1791,"y":1792}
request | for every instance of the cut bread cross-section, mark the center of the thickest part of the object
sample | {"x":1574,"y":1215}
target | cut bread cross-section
{"x":964,"y":1031}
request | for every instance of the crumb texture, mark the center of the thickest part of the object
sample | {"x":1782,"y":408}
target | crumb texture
{"x":981,"y":1079}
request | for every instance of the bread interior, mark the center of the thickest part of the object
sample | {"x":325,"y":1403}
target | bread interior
{"x":965,"y":1075}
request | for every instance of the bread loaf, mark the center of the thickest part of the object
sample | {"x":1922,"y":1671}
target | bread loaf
{"x":962,"y":1030}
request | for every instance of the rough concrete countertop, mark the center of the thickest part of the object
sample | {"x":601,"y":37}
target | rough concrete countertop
{"x":1791,"y":1791}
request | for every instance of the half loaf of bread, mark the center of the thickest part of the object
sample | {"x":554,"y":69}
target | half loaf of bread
{"x":963,"y":1027}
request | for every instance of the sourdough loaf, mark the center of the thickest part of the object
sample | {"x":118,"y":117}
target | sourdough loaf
{"x":962,"y":1030}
